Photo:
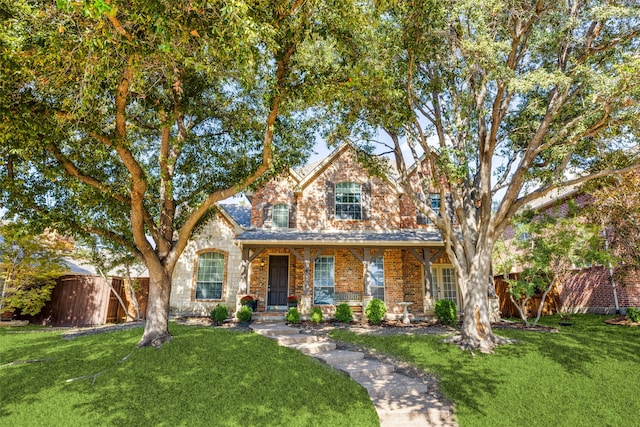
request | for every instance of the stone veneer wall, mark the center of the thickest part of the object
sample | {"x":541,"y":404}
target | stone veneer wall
{"x":217,"y":235}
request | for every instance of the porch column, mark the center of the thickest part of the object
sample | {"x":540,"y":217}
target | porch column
{"x":243,"y":285}
{"x":429,"y":299}
{"x":425,"y":259}
{"x":305,"y":303}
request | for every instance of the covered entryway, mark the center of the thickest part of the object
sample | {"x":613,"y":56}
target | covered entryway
{"x":278,"y":280}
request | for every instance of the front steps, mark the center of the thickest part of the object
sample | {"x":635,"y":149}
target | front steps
{"x":398,"y":399}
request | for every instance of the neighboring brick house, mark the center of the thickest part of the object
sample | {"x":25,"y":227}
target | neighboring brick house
{"x":328,"y":233}
{"x":591,"y":289}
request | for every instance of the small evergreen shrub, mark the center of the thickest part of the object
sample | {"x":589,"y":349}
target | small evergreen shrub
{"x":633,"y":314}
{"x":446,"y":312}
{"x":316,"y":315}
{"x":293,"y":316}
{"x":244,"y":314}
{"x":344,"y":313}
{"x":219,"y":314}
{"x":375,"y":311}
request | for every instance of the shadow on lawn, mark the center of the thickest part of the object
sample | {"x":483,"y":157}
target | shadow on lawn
{"x":589,"y":340}
{"x":203,"y":377}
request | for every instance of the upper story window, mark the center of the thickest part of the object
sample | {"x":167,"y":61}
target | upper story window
{"x":348,"y":200}
{"x":281,"y":216}
{"x":210,"y":276}
{"x":434,"y":202}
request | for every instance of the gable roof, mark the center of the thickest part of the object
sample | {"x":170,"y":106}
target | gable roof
{"x":313,"y":170}
{"x":237,"y":213}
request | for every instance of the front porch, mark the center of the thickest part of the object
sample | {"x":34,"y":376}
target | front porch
{"x":327,"y":269}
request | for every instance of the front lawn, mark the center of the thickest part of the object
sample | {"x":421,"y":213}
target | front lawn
{"x":588,"y":374}
{"x":204,"y":377}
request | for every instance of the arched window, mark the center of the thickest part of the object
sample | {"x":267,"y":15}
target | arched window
{"x":281,"y":216}
{"x":210,"y":275}
{"x":348,"y":200}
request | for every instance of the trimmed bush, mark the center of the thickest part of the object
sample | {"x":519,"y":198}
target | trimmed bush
{"x":244,"y":314}
{"x":375,"y":311}
{"x":446,"y":312}
{"x":219,"y":314}
{"x":293,"y":316}
{"x":316,"y":315}
{"x":633,"y":314}
{"x":344,"y":313}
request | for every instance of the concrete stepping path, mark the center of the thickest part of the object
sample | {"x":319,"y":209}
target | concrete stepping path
{"x":398,"y":399}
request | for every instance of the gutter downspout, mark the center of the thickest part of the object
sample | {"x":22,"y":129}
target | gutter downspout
{"x":611,"y":279}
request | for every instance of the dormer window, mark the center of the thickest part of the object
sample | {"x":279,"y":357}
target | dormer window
{"x":281,"y":216}
{"x":348,"y":200}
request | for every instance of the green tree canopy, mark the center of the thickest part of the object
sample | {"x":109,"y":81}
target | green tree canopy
{"x":498,"y":102}
{"x":129,"y":120}
{"x":29,"y":267}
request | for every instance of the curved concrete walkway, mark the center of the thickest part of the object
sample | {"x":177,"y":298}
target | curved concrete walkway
{"x":399,"y":400}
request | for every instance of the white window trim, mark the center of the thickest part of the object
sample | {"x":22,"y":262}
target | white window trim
{"x":224,"y":259}
{"x":358,"y":204}
{"x":437,"y":283}
{"x":333,"y":285}
{"x":273,"y":215}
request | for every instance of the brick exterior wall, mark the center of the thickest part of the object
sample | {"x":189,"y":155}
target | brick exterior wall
{"x":590,"y":291}
{"x":402,"y":276}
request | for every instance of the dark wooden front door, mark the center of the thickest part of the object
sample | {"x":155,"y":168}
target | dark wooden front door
{"x":278,"y":280}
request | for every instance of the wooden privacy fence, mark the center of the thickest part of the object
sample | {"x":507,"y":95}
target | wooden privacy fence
{"x":508,"y":309}
{"x":80,"y":300}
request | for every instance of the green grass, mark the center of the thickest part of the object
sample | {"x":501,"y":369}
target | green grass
{"x":204,"y":377}
{"x":586,"y":375}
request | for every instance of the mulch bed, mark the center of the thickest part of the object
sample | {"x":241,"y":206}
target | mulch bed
{"x":621,"y":321}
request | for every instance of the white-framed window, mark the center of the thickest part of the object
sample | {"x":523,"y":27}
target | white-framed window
{"x":376,"y":269}
{"x":209,"y":276}
{"x":443,"y":280}
{"x":323,"y":280}
{"x":281,"y":215}
{"x":348,"y":200}
{"x":435,"y":202}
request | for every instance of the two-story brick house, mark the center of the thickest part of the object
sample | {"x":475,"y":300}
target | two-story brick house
{"x":328,"y":233}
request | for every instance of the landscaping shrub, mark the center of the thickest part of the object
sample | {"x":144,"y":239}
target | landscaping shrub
{"x":446,"y":312}
{"x":344,"y":313}
{"x":219,"y":314}
{"x":316,"y":315}
{"x":633,"y":314}
{"x":375,"y":311}
{"x":244,"y":314}
{"x":293,"y":316}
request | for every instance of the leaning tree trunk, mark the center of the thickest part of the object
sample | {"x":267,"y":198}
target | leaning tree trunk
{"x":156,"y":330}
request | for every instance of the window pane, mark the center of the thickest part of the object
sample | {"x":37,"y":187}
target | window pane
{"x":323,"y":280}
{"x":449,"y":284}
{"x":376,"y":268}
{"x":281,"y":216}
{"x":210,"y":275}
{"x":348,"y":200}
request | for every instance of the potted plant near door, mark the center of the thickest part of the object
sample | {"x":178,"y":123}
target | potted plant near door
{"x":292,"y":301}
{"x":250,"y":302}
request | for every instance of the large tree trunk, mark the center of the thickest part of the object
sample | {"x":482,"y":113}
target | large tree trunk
{"x":473,"y":279}
{"x":156,"y":330}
